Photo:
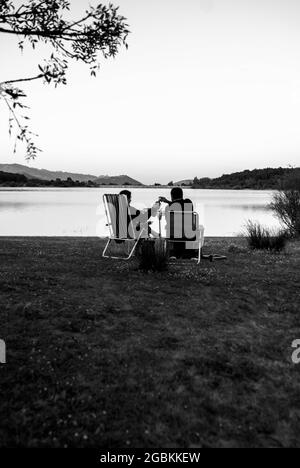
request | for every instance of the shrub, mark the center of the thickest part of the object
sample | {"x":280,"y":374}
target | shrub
{"x":153,"y":255}
{"x":259,"y":237}
{"x":286,"y":204}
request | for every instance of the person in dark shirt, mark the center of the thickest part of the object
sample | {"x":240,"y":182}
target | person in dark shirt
{"x":177,"y":232}
{"x":177,"y":197}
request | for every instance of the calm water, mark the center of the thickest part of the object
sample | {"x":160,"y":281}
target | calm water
{"x":79,"y":212}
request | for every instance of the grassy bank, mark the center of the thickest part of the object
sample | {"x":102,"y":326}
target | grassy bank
{"x":101,"y":354}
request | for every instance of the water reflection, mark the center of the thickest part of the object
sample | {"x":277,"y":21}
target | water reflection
{"x":79,"y":211}
{"x":243,"y":207}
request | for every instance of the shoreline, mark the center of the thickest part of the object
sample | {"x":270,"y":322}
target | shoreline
{"x":184,"y":187}
{"x":94,"y":238}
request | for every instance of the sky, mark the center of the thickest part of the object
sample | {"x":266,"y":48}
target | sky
{"x":206,"y":87}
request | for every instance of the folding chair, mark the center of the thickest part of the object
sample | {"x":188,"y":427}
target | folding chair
{"x":184,"y":227}
{"x":120,"y":224}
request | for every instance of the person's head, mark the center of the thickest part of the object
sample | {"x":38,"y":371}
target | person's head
{"x":128,"y":195}
{"x":176,"y":193}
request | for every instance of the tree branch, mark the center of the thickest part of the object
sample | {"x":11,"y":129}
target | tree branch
{"x":48,"y":34}
{"x":13,"y":113}
{"x":37,"y":77}
{"x":101,"y":30}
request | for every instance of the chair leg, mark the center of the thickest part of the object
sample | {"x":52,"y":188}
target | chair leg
{"x":135,"y":244}
{"x":111,"y":256}
{"x":199,"y":252}
{"x":105,"y":249}
{"x":201,"y":243}
{"x":132,"y":250}
{"x":121,"y":258}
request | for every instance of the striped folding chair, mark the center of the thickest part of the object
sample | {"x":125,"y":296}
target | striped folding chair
{"x":120,"y":224}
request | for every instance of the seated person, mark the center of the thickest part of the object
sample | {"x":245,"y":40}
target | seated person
{"x":175,"y":225}
{"x":144,"y":215}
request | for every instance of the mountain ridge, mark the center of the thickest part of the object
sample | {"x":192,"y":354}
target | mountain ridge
{"x":45,"y":174}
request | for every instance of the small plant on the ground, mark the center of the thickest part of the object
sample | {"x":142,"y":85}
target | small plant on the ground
{"x":260,"y":237}
{"x":153,"y":255}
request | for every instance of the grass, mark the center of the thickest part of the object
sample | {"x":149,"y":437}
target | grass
{"x":101,"y":354}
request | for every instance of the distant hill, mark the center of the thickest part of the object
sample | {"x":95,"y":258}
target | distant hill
{"x":45,"y":175}
{"x":184,"y":182}
{"x":116,"y":180}
{"x":256,"y":179}
{"x":9,"y":179}
{"x":6,"y":178}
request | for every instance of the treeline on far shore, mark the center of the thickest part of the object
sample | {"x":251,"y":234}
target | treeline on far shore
{"x":8,"y":179}
{"x":256,"y":179}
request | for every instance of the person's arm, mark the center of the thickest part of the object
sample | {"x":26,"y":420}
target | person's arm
{"x":165,"y":200}
{"x":153,"y":211}
{"x":133,"y":212}
{"x":148,"y":212}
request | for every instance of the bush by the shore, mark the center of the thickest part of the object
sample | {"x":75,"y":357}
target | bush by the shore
{"x":262,"y":238}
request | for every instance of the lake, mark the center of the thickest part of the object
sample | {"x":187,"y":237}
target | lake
{"x":79,"y":211}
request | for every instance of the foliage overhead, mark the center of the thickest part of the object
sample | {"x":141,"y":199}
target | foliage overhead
{"x":101,"y":31}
